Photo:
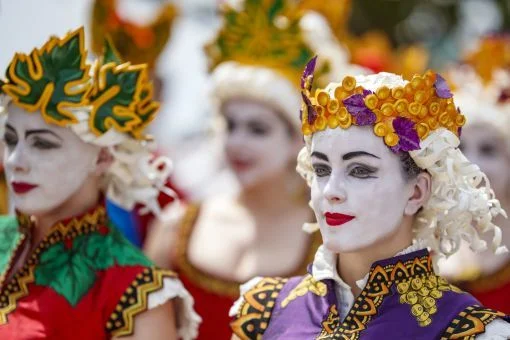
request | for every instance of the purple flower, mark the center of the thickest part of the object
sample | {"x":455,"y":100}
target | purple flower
{"x":312,"y":114}
{"x":309,"y":70}
{"x":408,"y":137}
{"x":442,"y":89}
{"x":355,"y":104}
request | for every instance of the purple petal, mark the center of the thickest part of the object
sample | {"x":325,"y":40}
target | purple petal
{"x":308,"y":72}
{"x":408,"y":137}
{"x":459,"y":131}
{"x":312,"y":114}
{"x":366,"y":93}
{"x":442,"y":88}
{"x":355,"y":104}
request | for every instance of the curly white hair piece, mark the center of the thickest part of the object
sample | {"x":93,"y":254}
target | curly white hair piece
{"x":462,"y":204}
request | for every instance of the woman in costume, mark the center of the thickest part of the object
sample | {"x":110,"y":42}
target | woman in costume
{"x":73,"y":139}
{"x":482,"y":93}
{"x":387,"y":182}
{"x":227,"y":239}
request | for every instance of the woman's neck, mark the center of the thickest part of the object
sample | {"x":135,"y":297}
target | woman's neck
{"x":354,"y":266}
{"x":79,"y":203}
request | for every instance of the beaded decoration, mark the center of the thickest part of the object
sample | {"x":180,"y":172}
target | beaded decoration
{"x":403,"y":116}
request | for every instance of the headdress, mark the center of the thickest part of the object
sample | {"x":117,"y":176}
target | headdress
{"x":134,"y":43}
{"x":482,"y":83}
{"x":261,"y":49}
{"x":108,"y":104}
{"x":419,"y":117}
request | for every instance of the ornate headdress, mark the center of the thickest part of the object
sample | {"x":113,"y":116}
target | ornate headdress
{"x":107,"y":104}
{"x":482,"y":83}
{"x":135,"y":43}
{"x":261,"y":49}
{"x":421,"y":118}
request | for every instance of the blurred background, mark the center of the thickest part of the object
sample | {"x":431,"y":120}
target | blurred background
{"x":396,"y":35}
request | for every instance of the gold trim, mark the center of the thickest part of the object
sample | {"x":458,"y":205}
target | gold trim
{"x":135,"y":299}
{"x":255,"y":312}
{"x":470,"y":322}
{"x":378,"y":286}
{"x":214,"y":284}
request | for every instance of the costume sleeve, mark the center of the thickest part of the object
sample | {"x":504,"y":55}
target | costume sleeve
{"x":151,"y":288}
{"x":252,"y":312}
{"x":498,"y":329}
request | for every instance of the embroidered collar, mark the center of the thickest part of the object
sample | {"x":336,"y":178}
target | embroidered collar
{"x":95,"y":217}
{"x":325,"y":266}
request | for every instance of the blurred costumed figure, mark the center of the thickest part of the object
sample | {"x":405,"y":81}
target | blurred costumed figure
{"x":390,"y":190}
{"x":255,"y":64}
{"x":482,"y":91}
{"x":74,"y":137}
{"x":136,"y":44}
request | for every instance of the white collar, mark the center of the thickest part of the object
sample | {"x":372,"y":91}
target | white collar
{"x":325,"y":261}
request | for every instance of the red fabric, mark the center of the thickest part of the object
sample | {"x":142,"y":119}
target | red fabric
{"x":498,"y":298}
{"x":213,"y":309}
{"x":44,"y":314}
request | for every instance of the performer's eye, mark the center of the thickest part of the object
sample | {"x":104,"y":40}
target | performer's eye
{"x":321,"y":170}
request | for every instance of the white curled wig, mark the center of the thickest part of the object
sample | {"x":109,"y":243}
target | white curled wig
{"x":136,"y":176}
{"x":462,"y":204}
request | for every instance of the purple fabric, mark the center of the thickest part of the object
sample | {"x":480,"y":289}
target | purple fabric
{"x":302,"y":318}
{"x":442,"y":88}
{"x":355,"y":104}
{"x":309,"y":70}
{"x":312,"y":114}
{"x":408,"y":137}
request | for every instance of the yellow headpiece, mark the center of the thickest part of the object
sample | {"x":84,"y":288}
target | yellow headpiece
{"x":264,"y":33}
{"x":402,"y":114}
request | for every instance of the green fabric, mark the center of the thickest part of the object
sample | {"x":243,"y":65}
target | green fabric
{"x":9,"y":238}
{"x":72,"y":272}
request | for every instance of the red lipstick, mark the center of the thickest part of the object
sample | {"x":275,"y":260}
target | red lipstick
{"x":240,"y":165}
{"x":22,"y":187}
{"x":334,"y":219}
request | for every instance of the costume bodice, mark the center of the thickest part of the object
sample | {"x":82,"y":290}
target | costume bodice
{"x":214,"y":295}
{"x":403,"y":299}
{"x":82,"y":281}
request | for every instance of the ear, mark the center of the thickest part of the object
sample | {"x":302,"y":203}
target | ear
{"x":104,"y":161}
{"x":420,"y":194}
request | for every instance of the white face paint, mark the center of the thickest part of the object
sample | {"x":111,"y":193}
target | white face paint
{"x":360,"y":180}
{"x":44,"y":164}
{"x":483,"y":145}
{"x":258,"y":145}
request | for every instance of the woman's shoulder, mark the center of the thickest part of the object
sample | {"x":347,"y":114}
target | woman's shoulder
{"x":261,"y":297}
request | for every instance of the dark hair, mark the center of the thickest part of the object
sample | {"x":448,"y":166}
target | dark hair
{"x":409,"y":167}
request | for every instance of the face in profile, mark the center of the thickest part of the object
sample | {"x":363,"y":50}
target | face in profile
{"x":259,"y":144}
{"x":483,"y":145}
{"x":359,"y":191}
{"x":44,"y":164}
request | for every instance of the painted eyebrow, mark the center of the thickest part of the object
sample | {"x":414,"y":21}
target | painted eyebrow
{"x":44,"y":131}
{"x":354,"y":154}
{"x":7,"y":126}
{"x":320,"y":155}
